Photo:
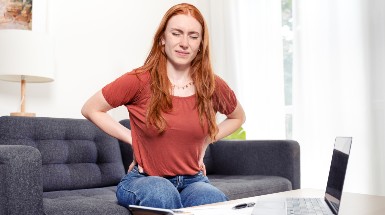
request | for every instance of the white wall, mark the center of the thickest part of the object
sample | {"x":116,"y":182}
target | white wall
{"x":95,"y":42}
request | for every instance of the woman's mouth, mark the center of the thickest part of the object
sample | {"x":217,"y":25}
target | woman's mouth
{"x":182,"y":53}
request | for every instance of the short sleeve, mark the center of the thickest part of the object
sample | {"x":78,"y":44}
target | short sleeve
{"x":124,"y":89}
{"x":224,"y":99}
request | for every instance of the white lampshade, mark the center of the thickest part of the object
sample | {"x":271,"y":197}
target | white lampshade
{"x":26,"y":54}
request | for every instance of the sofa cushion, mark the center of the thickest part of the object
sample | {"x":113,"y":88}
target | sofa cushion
{"x":84,"y":201}
{"x":75,"y":153}
{"x":242,"y":186}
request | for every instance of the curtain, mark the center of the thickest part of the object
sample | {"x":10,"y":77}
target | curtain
{"x":338,"y":89}
{"x":247,"y":52}
{"x":376,"y":29}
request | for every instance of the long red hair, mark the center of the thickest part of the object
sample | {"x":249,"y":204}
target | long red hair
{"x":201,"y":73}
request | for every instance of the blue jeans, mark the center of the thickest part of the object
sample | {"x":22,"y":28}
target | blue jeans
{"x":174,"y":192}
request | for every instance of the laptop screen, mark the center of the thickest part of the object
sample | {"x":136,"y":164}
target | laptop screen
{"x":337,"y":172}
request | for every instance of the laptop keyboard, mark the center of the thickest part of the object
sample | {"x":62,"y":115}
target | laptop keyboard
{"x":307,"y":206}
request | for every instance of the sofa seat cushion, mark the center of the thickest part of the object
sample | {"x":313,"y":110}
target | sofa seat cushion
{"x":83,"y":201}
{"x":242,"y":186}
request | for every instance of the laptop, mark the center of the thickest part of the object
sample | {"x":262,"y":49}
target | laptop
{"x":330,"y":204}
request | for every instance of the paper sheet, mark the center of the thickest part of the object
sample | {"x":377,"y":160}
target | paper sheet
{"x":225,"y":209}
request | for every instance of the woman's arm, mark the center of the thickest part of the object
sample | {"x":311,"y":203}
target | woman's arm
{"x":225,"y":128}
{"x":231,"y":123}
{"x":95,"y":109}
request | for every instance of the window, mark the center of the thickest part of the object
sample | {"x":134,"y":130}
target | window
{"x":287,"y":37}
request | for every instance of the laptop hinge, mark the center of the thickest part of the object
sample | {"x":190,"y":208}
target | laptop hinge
{"x":331,"y":206}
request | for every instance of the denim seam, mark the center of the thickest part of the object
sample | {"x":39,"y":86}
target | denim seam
{"x":130,"y":191}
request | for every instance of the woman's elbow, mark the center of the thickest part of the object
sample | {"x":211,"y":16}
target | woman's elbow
{"x":84,"y":111}
{"x":243,"y":119}
{"x":241,"y":114}
{"x":95,"y":104}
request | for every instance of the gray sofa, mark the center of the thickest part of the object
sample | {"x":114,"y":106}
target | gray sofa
{"x":69,"y":166}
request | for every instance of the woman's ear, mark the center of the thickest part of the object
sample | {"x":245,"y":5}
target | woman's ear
{"x":162,"y":42}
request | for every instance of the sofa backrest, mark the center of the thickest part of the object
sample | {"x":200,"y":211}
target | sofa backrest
{"x":75,"y":153}
{"x":126,"y":149}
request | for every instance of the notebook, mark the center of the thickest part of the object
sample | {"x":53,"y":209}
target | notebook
{"x":330,"y":204}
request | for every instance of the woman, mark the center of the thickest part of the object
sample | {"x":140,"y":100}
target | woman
{"x":172,"y":101}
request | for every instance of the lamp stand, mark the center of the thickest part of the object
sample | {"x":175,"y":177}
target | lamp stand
{"x":22,"y":106}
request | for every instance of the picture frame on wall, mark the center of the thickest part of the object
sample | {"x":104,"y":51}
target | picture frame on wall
{"x":16,"y":14}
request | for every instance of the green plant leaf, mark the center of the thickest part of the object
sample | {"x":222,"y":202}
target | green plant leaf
{"x":239,"y":134}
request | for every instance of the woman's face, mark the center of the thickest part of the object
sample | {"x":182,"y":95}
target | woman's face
{"x":181,"y":40}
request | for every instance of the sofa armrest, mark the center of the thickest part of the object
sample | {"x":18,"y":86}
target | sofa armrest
{"x":21,"y":184}
{"x":257,"y":157}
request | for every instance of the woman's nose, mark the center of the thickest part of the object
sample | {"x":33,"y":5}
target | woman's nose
{"x":183,"y":42}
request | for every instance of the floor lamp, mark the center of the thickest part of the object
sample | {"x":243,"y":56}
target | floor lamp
{"x":25,"y":57}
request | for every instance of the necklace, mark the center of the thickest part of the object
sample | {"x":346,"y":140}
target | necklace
{"x":182,"y":87}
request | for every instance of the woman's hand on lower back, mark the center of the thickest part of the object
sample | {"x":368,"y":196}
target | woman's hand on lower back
{"x":133,"y":164}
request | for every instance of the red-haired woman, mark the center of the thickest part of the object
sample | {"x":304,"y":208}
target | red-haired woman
{"x":172,"y":101}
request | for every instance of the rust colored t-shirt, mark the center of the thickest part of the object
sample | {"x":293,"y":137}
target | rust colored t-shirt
{"x":175,"y":151}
